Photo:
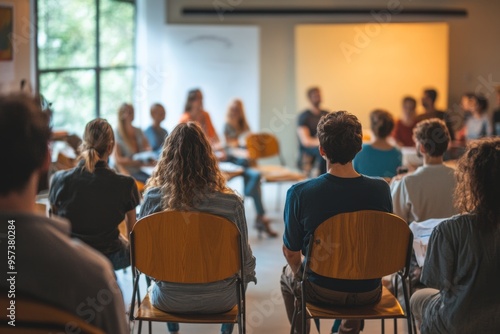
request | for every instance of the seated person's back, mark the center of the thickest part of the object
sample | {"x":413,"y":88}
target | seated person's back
{"x":94,"y":198}
{"x":51,"y":267}
{"x":379,"y":158}
{"x":428,"y":192}
{"x":311,"y":202}
{"x":462,"y":263}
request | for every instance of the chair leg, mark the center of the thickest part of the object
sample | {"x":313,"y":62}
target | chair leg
{"x":382,"y":321}
{"x":395,"y":325}
{"x":150,"y":327}
{"x":140,"y":327}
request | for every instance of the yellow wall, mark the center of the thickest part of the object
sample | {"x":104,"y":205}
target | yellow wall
{"x":360,"y":67}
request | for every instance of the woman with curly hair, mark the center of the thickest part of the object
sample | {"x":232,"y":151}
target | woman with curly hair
{"x":462,"y":264}
{"x":187,"y":177}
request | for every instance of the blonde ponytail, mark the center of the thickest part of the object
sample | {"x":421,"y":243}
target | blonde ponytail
{"x":97,"y":137}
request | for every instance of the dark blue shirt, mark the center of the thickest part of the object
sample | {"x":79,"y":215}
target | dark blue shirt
{"x":311,"y":202}
{"x":156,"y":137}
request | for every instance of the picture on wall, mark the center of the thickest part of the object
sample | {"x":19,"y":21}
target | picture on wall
{"x":6,"y":30}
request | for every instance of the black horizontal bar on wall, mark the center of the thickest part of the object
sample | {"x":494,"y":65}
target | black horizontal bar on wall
{"x":239,"y":11}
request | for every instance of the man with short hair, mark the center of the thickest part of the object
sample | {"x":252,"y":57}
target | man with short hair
{"x":428,"y":192}
{"x":46,"y":263}
{"x":310,"y":203}
{"x":428,"y":102}
{"x":307,"y":132}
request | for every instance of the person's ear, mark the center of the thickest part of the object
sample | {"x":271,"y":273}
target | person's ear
{"x":322,"y":152}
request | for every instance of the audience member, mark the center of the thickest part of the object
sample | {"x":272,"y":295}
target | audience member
{"x":235,"y":130}
{"x":427,"y":192}
{"x":130,"y":145}
{"x":94,"y":198}
{"x":51,"y":267}
{"x":193,"y":111}
{"x":155,"y":134}
{"x":379,"y":158}
{"x":307,"y":132}
{"x":428,"y":102}
{"x":496,"y":115}
{"x":462,"y":263}
{"x":403,"y":129}
{"x":478,"y":125}
{"x":180,"y":182}
{"x":311,"y":202}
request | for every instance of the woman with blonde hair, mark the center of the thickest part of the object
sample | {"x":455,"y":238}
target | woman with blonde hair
{"x":94,"y":198}
{"x":132,"y":147}
{"x":235,"y":131}
{"x":187,"y":177}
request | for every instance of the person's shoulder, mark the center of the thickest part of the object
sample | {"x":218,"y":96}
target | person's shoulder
{"x":229,"y":197}
{"x":456,"y":224}
{"x":375,"y":181}
{"x":305,"y":114}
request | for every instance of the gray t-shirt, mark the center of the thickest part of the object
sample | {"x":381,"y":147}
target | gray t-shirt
{"x":61,"y":271}
{"x":464,"y":264}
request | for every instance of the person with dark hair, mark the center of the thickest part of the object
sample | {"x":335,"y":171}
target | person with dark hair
{"x":94,"y":198}
{"x":403,"y":129}
{"x":479,"y":124}
{"x":310,"y":203}
{"x":52,"y":267}
{"x":462,"y":264}
{"x":379,"y":158}
{"x":306,"y":130}
{"x":187,"y":178}
{"x":428,"y":102}
{"x":155,"y":134}
{"x":427,"y":192}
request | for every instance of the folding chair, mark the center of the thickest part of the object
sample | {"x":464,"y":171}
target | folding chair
{"x":186,"y":247}
{"x":266,"y":145}
{"x":360,"y":245}
{"x":35,"y":316}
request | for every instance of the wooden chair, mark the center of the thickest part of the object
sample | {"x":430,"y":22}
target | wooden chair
{"x":186,"y":247}
{"x":41,"y":208}
{"x":64,"y":162}
{"x":360,"y":245}
{"x":34,"y":316}
{"x":266,"y":145}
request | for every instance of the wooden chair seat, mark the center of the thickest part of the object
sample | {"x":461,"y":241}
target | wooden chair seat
{"x":150,"y":313}
{"x":34,"y":316}
{"x":388,"y":307}
{"x":279,"y":174}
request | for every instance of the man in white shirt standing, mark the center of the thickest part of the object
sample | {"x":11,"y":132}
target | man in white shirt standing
{"x":427,"y":192}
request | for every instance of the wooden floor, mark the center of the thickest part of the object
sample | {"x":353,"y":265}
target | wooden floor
{"x":265,"y":310}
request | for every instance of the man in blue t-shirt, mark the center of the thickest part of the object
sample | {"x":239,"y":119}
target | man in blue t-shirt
{"x":311,"y":202}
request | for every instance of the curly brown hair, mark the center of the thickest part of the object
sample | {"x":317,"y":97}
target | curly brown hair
{"x":478,"y":182}
{"x":187,"y":171}
{"x":340,"y":136}
{"x":433,"y":135}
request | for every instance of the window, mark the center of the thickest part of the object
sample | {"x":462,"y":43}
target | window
{"x":86,"y":61}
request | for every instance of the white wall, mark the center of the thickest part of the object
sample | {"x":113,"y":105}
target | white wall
{"x":222,"y":61}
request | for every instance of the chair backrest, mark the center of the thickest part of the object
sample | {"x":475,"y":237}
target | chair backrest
{"x":186,"y":247}
{"x":32,"y":315}
{"x":262,"y":145}
{"x":360,"y":245}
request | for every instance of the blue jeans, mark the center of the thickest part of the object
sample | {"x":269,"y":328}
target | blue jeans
{"x":251,"y":181}
{"x":314,"y":152}
{"x":121,"y":258}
